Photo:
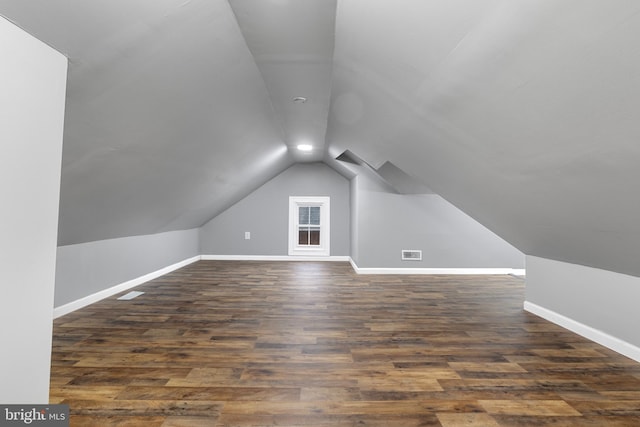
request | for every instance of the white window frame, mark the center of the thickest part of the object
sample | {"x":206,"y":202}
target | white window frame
{"x":324,"y":248}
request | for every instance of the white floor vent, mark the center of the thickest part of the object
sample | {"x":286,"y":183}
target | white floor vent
{"x":411,"y":255}
{"x":130,"y":295}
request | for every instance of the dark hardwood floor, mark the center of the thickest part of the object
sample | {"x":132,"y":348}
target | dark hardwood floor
{"x":234,"y":343}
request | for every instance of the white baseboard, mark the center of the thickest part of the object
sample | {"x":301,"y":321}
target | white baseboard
{"x":272,"y":258}
{"x":367,"y":270}
{"x":588,"y":332}
{"x":514,"y":271}
{"x":90,"y":299}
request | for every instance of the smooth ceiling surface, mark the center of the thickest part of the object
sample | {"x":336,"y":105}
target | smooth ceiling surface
{"x":168,"y":121}
{"x":292,"y":44}
{"x":523,"y":113}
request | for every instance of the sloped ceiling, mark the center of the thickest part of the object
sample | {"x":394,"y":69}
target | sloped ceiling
{"x":168,"y":120}
{"x":523,"y":113}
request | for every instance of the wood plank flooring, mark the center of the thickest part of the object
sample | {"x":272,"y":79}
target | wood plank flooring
{"x":234,"y":343}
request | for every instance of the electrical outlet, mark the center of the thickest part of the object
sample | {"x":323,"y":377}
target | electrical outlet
{"x":247,"y":235}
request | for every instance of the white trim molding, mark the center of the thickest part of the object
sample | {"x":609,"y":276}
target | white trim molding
{"x":105,"y":293}
{"x":333,"y":258}
{"x":588,"y":332}
{"x":338,"y":258}
{"x":465,"y":271}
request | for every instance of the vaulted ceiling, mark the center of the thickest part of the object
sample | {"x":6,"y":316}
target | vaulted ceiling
{"x":523,"y":113}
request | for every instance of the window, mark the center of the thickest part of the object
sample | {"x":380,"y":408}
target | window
{"x":309,"y":226}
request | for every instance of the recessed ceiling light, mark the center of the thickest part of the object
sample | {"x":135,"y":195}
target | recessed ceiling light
{"x":299,"y":99}
{"x":305,"y":147}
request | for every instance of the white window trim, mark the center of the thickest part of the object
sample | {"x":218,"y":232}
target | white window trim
{"x":324,"y":249}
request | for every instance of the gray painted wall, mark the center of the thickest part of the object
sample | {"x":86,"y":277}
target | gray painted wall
{"x":265,"y":214}
{"x":386,"y":223}
{"x":382,"y":224}
{"x":600,"y":299}
{"x":354,"y":236}
{"x":87,"y":268}
{"x":33,"y":80}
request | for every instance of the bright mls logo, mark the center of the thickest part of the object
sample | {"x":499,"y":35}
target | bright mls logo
{"x":34,"y":415}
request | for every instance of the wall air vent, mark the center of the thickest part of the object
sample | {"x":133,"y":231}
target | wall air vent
{"x":411,"y":255}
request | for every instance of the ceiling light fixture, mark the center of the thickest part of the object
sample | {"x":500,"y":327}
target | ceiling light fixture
{"x":299,"y":99}
{"x":305,"y":147}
